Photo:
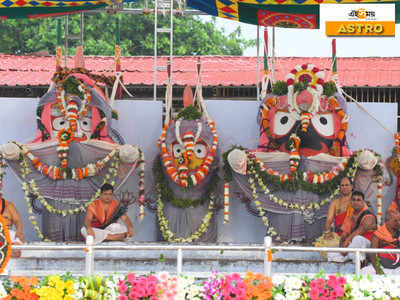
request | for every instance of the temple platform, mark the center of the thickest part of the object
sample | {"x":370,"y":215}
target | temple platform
{"x":195,"y":262}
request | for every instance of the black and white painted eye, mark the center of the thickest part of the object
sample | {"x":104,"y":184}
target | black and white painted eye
{"x":323,"y":124}
{"x":283,"y":122}
{"x":177,"y":149}
{"x":59,"y":123}
{"x":200,"y":150}
{"x":86,"y":124}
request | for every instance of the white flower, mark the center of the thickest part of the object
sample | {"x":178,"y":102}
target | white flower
{"x":293,"y":283}
{"x":293,"y":295}
{"x":279,"y":297}
{"x":278,"y":279}
{"x":3,"y":292}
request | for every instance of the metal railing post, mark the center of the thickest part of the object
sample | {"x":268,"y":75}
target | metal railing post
{"x":357,"y":263}
{"x":89,"y":259}
{"x":267,"y":256}
{"x":179,"y":258}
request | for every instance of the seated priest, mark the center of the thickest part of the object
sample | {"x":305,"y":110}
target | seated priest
{"x":386,"y":237}
{"x":102,"y":217}
{"x":12,"y":218}
{"x":339,"y":208}
{"x":358,"y":228}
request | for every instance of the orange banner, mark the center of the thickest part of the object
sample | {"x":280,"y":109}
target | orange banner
{"x":354,"y":28}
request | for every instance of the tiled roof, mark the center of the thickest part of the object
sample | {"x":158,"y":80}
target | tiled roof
{"x":216,"y":70}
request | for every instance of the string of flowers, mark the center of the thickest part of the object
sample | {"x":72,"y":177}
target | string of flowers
{"x":141,"y":184}
{"x":226,"y":202}
{"x":254,"y":177}
{"x":169,"y":236}
{"x":379,"y":202}
{"x":57,"y":173}
{"x":1,"y":171}
{"x":198,"y":176}
{"x":294,"y":156}
{"x":112,"y":172}
{"x":397,"y":143}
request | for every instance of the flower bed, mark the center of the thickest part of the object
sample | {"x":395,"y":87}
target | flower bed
{"x":163,"y":286}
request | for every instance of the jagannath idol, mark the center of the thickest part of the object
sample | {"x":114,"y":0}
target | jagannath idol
{"x":75,"y":151}
{"x":294,"y":174}
{"x":186,"y":174}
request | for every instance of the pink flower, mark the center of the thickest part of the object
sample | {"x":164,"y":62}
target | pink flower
{"x":236,"y":276}
{"x":342,"y":280}
{"x":122,"y":287}
{"x":122,"y":297}
{"x":339,"y":291}
{"x":163,"y":276}
{"x":131,"y":277}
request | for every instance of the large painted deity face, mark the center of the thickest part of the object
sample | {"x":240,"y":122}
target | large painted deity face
{"x":188,"y":151}
{"x":83,"y":110}
{"x":318,"y":120}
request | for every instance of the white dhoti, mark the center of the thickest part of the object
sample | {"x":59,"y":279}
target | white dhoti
{"x":101,"y":234}
{"x":357,"y":242}
{"x":13,"y":237}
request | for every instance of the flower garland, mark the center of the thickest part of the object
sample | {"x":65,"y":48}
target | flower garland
{"x":198,"y":176}
{"x":379,"y":202}
{"x":294,"y":158}
{"x":254,"y":177}
{"x":32,"y":187}
{"x":226,"y":202}
{"x":57,"y":173}
{"x":168,"y":195}
{"x":2,"y":166}
{"x":141,"y":184}
{"x":169,"y":236}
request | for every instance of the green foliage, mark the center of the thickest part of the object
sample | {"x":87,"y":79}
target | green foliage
{"x":329,"y":88}
{"x":192,"y":36}
{"x":70,"y":85}
{"x":301,"y":85}
{"x":189,"y":113}
{"x":280,"y":88}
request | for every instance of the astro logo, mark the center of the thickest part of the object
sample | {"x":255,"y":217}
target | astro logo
{"x":362,"y":14}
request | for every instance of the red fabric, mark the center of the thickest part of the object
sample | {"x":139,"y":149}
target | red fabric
{"x":368,"y":235}
{"x":338,"y":221}
{"x":97,"y":209}
{"x":348,"y":223}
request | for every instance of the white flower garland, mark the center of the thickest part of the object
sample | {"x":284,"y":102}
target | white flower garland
{"x":170,"y":236}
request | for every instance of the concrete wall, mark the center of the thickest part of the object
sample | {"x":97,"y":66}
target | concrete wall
{"x":140,"y":124}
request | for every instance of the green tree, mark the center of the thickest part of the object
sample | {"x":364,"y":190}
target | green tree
{"x":191,"y":36}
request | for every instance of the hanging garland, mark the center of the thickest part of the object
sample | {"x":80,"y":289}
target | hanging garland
{"x":318,"y":183}
{"x":168,"y":195}
{"x":254,"y":179}
{"x":32,"y":187}
{"x":57,"y":173}
{"x":141,"y":184}
{"x":176,"y":175}
{"x":169,"y":236}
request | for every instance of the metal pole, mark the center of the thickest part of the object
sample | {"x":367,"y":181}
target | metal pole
{"x":89,"y":259}
{"x":155,"y":50}
{"x":258,"y":63}
{"x":357,"y":263}
{"x":267,"y":256}
{"x":273,"y":55}
{"x":82,"y":28}
{"x":66,"y":40}
{"x":179,"y":259}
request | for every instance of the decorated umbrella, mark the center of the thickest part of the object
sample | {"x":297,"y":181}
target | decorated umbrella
{"x":278,"y":13}
{"x":16,"y":9}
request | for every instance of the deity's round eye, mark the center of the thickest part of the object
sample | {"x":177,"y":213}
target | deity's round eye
{"x":323,"y":124}
{"x":283,"y":122}
{"x":86,"y":124}
{"x":200,"y":150}
{"x":177,"y":149}
{"x":59,"y":123}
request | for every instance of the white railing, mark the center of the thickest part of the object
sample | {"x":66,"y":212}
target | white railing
{"x":267,"y":248}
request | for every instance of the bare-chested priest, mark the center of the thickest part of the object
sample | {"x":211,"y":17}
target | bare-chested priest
{"x":12,"y":218}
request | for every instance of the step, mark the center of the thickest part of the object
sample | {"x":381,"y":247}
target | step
{"x":199,"y":262}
